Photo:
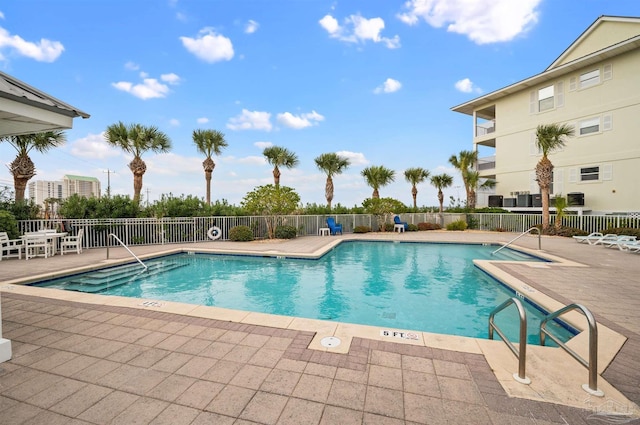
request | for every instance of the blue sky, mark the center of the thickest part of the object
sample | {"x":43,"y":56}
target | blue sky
{"x":371,"y":80}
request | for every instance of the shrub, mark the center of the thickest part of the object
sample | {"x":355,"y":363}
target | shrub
{"x":285,"y":232}
{"x":361,"y":229}
{"x":240,"y":234}
{"x":629,"y":231}
{"x":9,"y":224}
{"x":566,"y":231}
{"x":388,"y":227}
{"x":412,"y":228}
{"x":429,"y":226}
{"x":457,"y":225}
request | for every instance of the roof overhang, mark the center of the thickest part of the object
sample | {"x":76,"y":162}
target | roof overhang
{"x":25,"y":109}
{"x":595,"y":57}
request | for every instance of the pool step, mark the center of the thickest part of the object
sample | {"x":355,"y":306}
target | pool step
{"x":510,"y":254}
{"x":109,"y":278}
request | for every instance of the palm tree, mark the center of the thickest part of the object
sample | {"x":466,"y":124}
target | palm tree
{"x":136,"y":139}
{"x":332,"y":164}
{"x":209,"y":142}
{"x":415,"y":176}
{"x":280,"y":157}
{"x":441,"y":181}
{"x":378,"y":176}
{"x":473,"y":178}
{"x":548,"y":138}
{"x":464,"y":163}
{"x":22,"y":167}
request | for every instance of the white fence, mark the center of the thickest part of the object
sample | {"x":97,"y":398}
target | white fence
{"x":151,"y":231}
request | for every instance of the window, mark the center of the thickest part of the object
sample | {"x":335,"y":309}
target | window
{"x":589,"y":126}
{"x":589,"y":174}
{"x":545,"y":98}
{"x":590,"y":78}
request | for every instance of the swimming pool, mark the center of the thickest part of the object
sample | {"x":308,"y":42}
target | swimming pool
{"x":431,"y":287}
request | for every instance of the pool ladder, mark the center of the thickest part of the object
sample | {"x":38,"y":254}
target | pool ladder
{"x":521,"y":352}
{"x":521,"y":235}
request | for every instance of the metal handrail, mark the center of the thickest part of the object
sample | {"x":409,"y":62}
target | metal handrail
{"x":592,"y":364}
{"x":521,"y":352}
{"x":127,"y":248}
{"x":521,"y":235}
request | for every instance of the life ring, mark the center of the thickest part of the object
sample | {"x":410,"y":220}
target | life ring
{"x":214,"y":233}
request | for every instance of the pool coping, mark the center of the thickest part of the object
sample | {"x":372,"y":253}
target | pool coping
{"x":501,"y":360}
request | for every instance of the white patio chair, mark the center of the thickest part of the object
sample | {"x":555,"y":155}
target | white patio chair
{"x":10,"y":247}
{"x":35,"y":246}
{"x":72,"y":243}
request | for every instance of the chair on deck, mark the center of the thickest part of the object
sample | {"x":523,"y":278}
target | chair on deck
{"x":590,"y":237}
{"x":35,"y":245}
{"x":72,"y":243}
{"x":333,"y":227}
{"x":396,"y":221}
{"x":10,"y":247}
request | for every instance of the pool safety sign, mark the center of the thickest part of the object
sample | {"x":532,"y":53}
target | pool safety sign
{"x":399,"y":334}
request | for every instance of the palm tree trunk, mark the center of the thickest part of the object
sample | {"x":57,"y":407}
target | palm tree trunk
{"x":414,"y":193}
{"x":137,"y":187}
{"x":276,"y":176}
{"x":328,"y":191}
{"x":544,"y":192}
{"x":207,"y":177}
{"x":376,"y":194}
{"x":441,"y":200}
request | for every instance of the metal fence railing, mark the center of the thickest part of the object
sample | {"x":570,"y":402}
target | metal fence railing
{"x":152,"y":231}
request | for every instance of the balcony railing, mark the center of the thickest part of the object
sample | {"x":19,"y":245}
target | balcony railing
{"x":485,"y":128}
{"x":487,"y":163}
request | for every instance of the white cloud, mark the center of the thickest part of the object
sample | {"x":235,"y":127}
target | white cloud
{"x":263,"y":145}
{"x":170,"y":78}
{"x":149,"y":88}
{"x":299,"y":121}
{"x":42,"y":51}
{"x":132,"y":66}
{"x":1,"y":15}
{"x":174,"y":122}
{"x":389,"y":86}
{"x":483,"y":21}
{"x":209,"y":46}
{"x":93,"y":146}
{"x":355,"y":158}
{"x":466,"y":86}
{"x":251,"y":27}
{"x":202,"y":120}
{"x":357,"y":29}
{"x":250,"y":120}
{"x":252,"y":160}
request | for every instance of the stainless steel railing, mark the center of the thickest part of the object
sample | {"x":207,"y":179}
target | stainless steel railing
{"x":127,"y":248}
{"x":592,"y":364}
{"x":521,"y":235}
{"x":521,"y":352}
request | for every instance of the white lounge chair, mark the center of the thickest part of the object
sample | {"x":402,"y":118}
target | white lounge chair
{"x":621,"y":239}
{"x":609,"y":237}
{"x":584,"y":239}
{"x":72,"y":243}
{"x":10,"y":247}
{"x":630,"y":246}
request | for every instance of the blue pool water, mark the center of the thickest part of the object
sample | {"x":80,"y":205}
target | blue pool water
{"x":412,"y":286}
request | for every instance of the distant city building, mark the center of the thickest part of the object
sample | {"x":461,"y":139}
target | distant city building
{"x":89,"y":187}
{"x":41,"y":191}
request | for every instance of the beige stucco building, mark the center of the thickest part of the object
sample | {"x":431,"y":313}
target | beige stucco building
{"x":594,"y":85}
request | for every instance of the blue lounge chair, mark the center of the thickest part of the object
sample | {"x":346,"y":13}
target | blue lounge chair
{"x":396,"y":220}
{"x":335,"y":228}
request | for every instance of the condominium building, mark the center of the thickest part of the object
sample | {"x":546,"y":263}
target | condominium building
{"x":593,"y":86}
{"x":89,"y":187}
{"x":42,"y":190}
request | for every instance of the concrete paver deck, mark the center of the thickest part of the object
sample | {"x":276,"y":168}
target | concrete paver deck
{"x":75,"y":362}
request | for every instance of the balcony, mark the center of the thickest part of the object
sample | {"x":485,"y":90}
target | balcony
{"x":486,"y":166}
{"x":485,"y":128}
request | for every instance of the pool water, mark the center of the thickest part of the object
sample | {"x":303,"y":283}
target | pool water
{"x":412,"y":286}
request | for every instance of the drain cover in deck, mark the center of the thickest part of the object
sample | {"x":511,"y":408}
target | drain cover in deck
{"x":330,"y":341}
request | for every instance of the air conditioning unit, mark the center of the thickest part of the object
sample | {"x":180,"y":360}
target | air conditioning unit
{"x":495,"y":201}
{"x":509,"y":202}
{"x":575,"y":199}
{"x":524,"y":201}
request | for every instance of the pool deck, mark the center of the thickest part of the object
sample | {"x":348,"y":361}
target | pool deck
{"x":89,"y":359}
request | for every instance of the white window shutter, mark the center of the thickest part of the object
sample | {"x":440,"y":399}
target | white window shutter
{"x":533,"y":149}
{"x":558,"y":181}
{"x":573,"y":175}
{"x":573,"y":83}
{"x":533,"y":102}
{"x":607,"y":122}
{"x":607,"y":72}
{"x":559,"y":94}
{"x":534,"y":187}
{"x":607,"y":172}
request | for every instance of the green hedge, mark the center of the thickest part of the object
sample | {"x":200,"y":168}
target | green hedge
{"x":240,"y":234}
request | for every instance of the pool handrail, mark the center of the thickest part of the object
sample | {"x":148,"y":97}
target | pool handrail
{"x":127,"y":248}
{"x":521,"y":235}
{"x":521,"y":352}
{"x":592,"y":364}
